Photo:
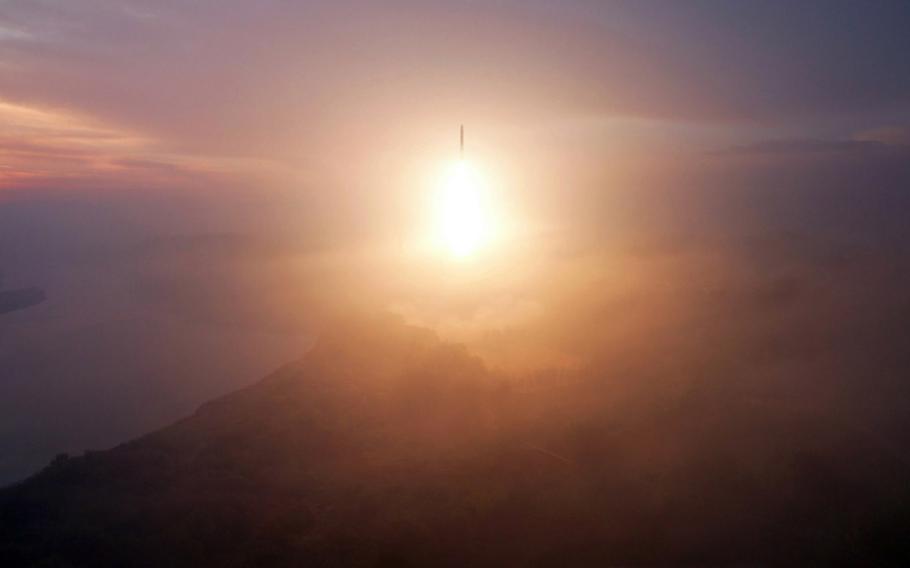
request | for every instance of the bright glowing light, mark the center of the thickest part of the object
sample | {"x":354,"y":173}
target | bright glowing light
{"x":463,"y":212}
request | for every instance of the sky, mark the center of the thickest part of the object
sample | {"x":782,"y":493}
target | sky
{"x":197,"y":186}
{"x":294,"y":96}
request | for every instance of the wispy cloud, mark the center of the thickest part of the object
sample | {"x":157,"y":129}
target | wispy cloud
{"x":44,"y":146}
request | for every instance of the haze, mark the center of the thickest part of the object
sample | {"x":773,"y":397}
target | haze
{"x":686,"y":199}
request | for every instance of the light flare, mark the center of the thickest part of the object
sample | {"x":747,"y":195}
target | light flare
{"x":463,"y":211}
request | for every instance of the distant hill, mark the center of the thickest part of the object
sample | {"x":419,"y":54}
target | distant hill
{"x":387,"y":447}
{"x":12,"y":300}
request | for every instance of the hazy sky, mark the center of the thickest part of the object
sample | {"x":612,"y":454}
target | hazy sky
{"x":347,"y":95}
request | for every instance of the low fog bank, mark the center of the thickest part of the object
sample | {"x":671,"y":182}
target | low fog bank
{"x":709,"y":296}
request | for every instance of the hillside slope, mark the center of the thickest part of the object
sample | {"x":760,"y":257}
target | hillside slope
{"x":387,"y":447}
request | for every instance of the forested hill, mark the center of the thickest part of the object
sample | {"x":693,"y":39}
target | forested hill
{"x":387,"y":447}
